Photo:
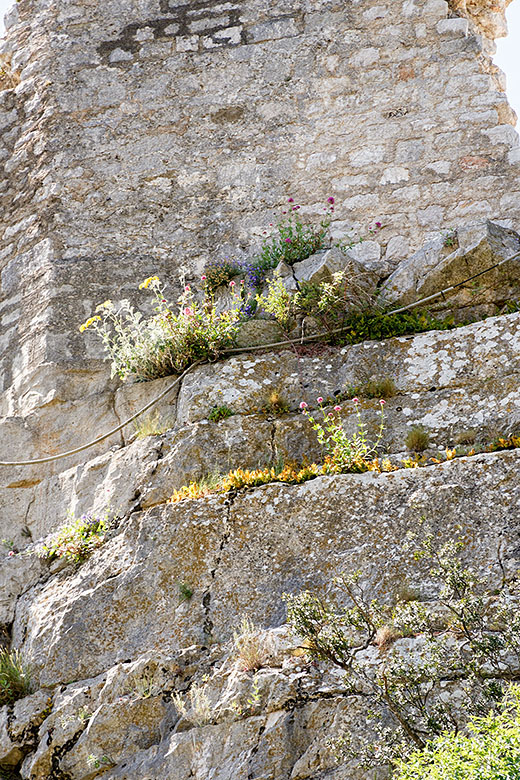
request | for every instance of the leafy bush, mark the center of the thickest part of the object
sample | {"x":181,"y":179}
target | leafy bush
{"x":167,"y":342}
{"x":292,"y":240}
{"x":278,"y":302}
{"x":346,"y":453}
{"x":469,"y":645}
{"x":77,"y":539}
{"x":490,"y":750}
{"x":15,"y":677}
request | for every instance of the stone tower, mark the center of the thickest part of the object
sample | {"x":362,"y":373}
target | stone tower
{"x":150,"y":135}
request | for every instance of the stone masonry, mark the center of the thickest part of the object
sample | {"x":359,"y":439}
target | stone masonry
{"x":150,"y":135}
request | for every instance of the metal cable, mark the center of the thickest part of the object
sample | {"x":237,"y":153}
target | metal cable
{"x":232,"y":351}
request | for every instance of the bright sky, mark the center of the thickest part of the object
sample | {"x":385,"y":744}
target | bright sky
{"x":507,"y":58}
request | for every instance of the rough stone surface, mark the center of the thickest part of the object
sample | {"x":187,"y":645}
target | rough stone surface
{"x":454,"y":383}
{"x":468,"y":252}
{"x":144,"y":135}
{"x":240,"y":555}
{"x":149,"y":137}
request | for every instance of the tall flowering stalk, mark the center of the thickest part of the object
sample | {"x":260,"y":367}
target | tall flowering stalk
{"x":345,"y":452}
{"x":168,"y":341}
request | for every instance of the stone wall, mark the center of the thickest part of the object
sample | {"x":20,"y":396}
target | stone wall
{"x":150,"y":135}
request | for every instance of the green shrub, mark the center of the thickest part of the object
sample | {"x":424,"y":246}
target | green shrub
{"x":75,"y":540}
{"x":489,"y":750}
{"x":467,"y":651}
{"x":292,"y":240}
{"x":15,"y":677}
{"x":278,"y":302}
{"x":417,"y":439}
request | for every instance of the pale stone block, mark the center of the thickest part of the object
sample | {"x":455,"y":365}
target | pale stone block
{"x":503,"y":134}
{"x":365,"y":57}
{"x":187,"y":42}
{"x":394,"y":175}
{"x":454,"y":27}
{"x":119,"y":55}
{"x":441,"y":167}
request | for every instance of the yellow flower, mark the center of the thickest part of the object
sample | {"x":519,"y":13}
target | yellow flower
{"x":88,"y":323}
{"x":105,"y":305}
{"x":147,"y":282}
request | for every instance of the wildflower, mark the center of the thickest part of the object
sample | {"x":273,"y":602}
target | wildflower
{"x":287,"y":240}
{"x":147,"y":282}
{"x":187,"y":288}
{"x":188,"y":312}
{"x":320,"y":400}
{"x":203,"y":278}
{"x":10,"y":553}
{"x":88,"y":323}
{"x":290,"y":200}
{"x":105,"y":305}
{"x":331,"y":414}
{"x":355,"y":400}
{"x":331,"y":200}
{"x":382,"y":402}
{"x":337,"y":408}
{"x":232,"y":284}
{"x":303,"y":405}
{"x":379,"y":225}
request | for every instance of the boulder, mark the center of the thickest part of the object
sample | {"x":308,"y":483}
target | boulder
{"x":455,"y":259}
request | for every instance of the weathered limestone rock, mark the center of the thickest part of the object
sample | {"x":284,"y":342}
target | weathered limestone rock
{"x":19,"y":726}
{"x":461,"y":382}
{"x":241,"y":554}
{"x":434,"y":268}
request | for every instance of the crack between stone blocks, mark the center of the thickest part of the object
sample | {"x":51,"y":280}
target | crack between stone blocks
{"x":207,"y":625}
{"x":112,"y":405}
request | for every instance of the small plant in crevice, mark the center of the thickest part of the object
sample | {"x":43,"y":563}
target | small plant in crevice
{"x":220,"y":412}
{"x":185,"y":591}
{"x":276,"y":403}
{"x":467,"y":437}
{"x":15,"y":676}
{"x":467,"y":649}
{"x":152,"y":425}
{"x":195,"y":707}
{"x":372,"y":388}
{"x":99,"y":762}
{"x":450,"y":239}
{"x":347,"y":452}
{"x":219,"y":272}
{"x":252,"y":653}
{"x":78,"y":538}
{"x":417,"y":439}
